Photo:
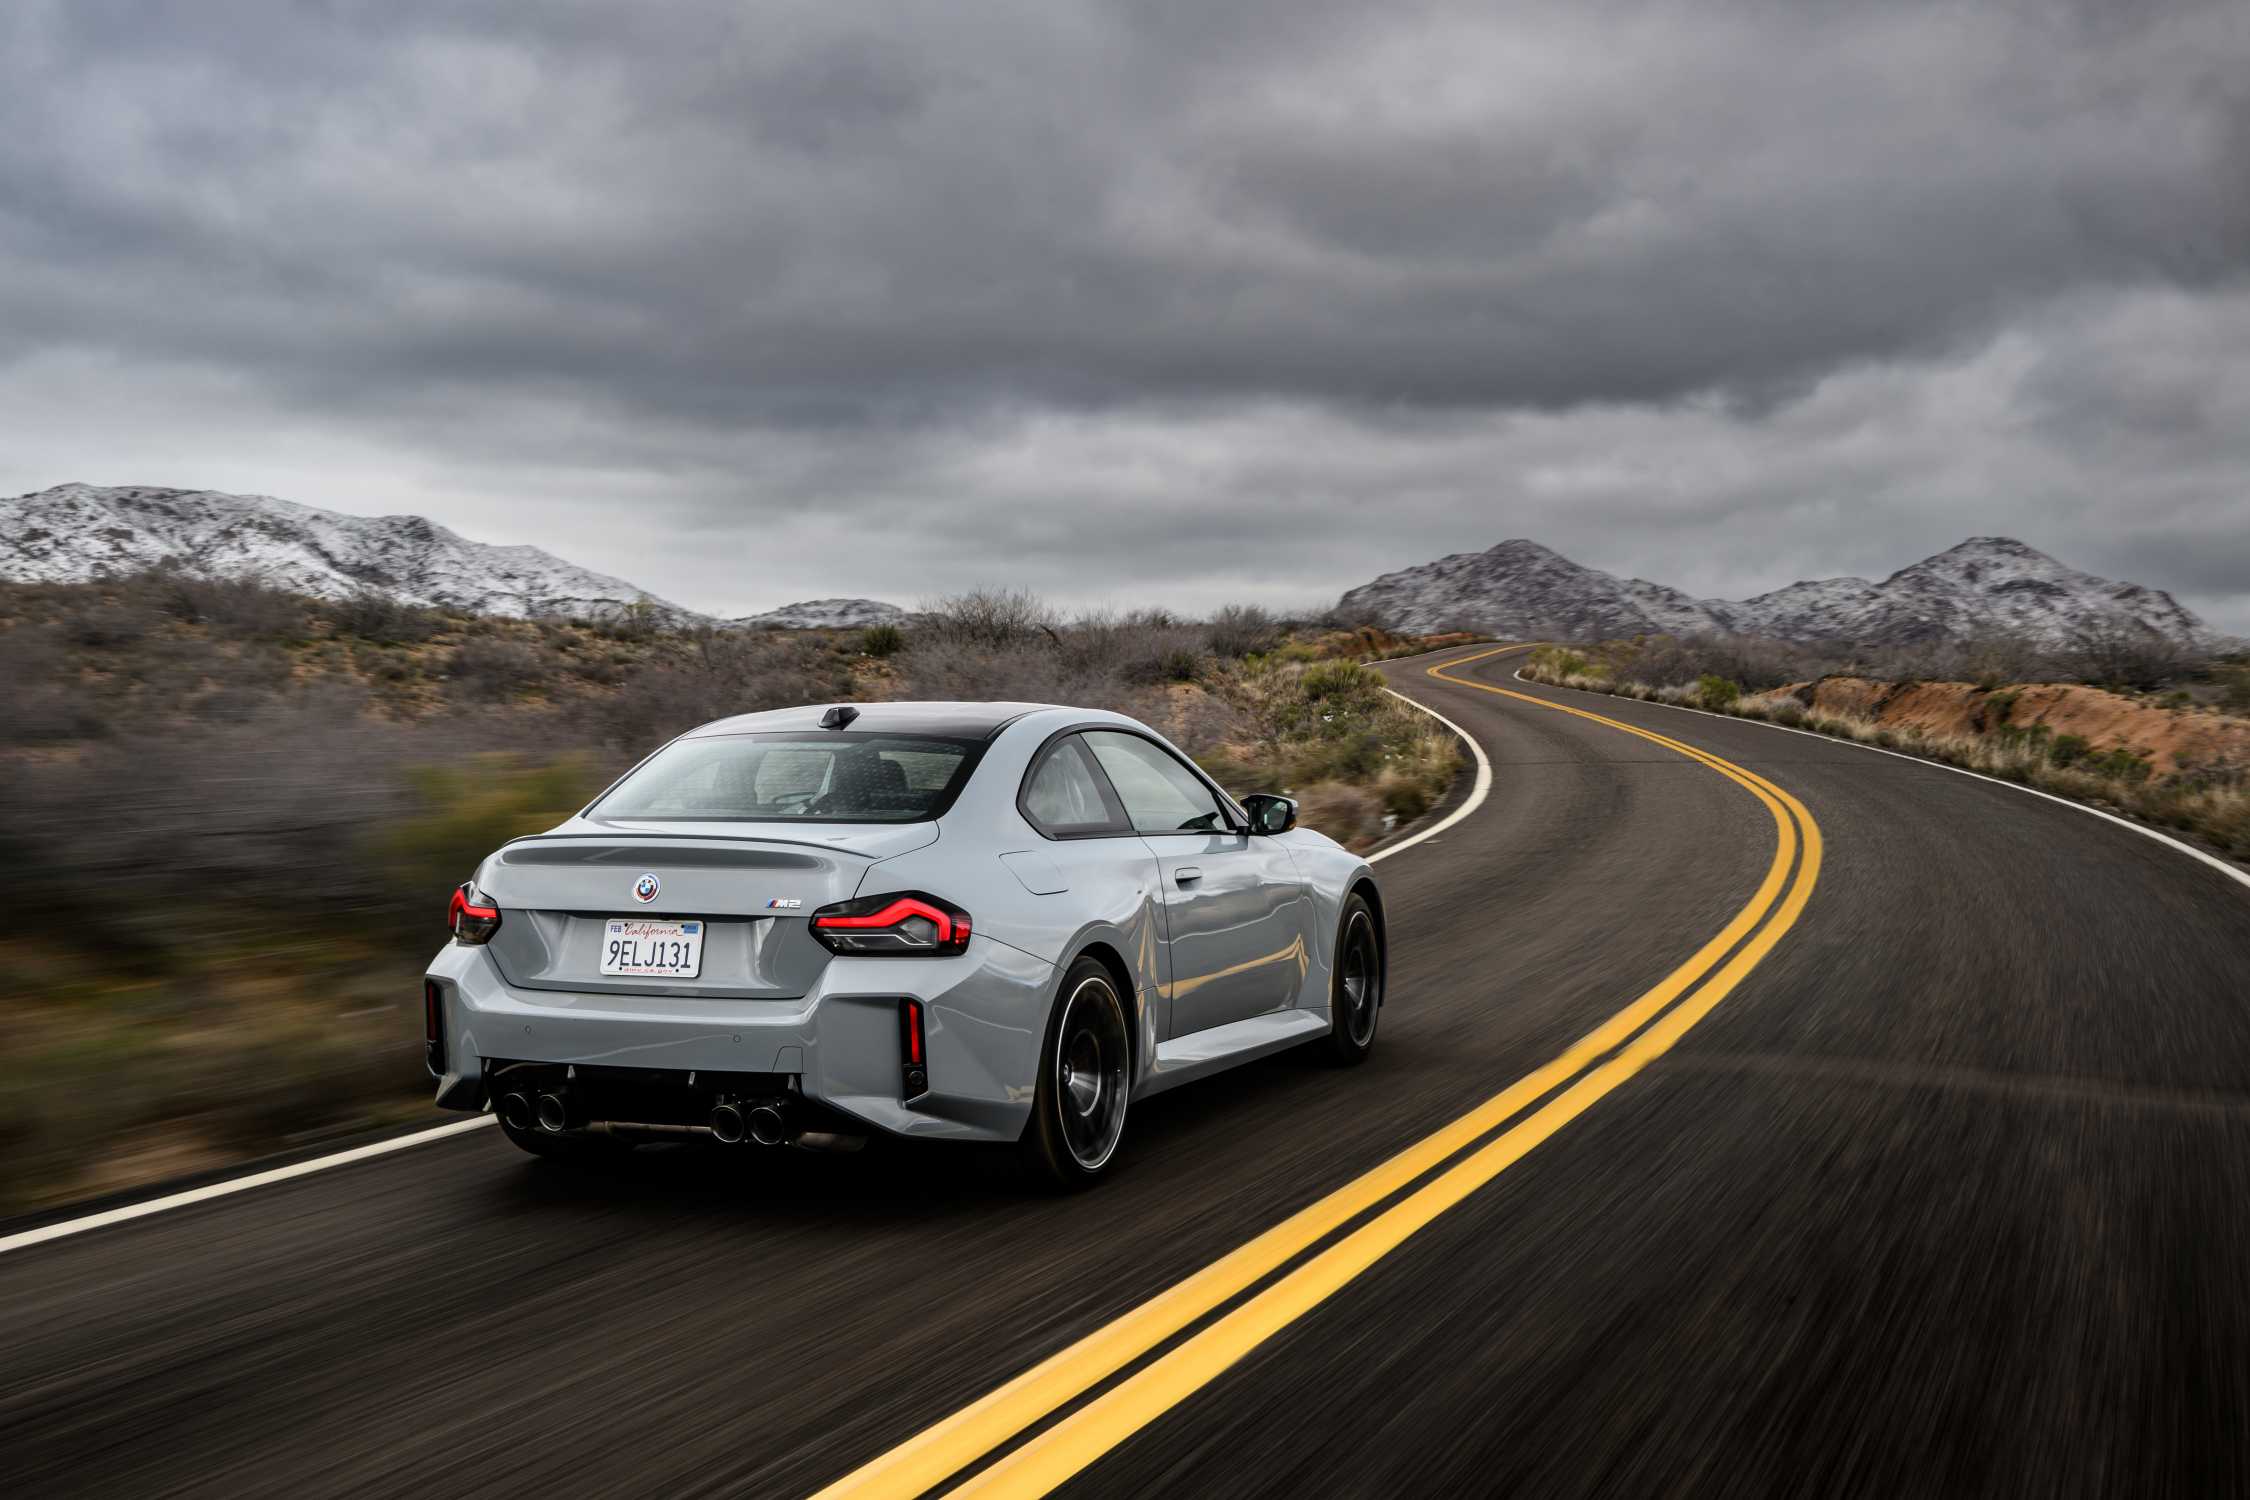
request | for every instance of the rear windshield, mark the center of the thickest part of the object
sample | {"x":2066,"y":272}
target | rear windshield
{"x":823,"y":776}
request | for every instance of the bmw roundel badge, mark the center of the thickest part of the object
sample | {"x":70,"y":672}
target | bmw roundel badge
{"x":645,"y":888}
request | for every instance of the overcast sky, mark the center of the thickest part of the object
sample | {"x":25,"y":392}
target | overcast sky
{"x":1177,"y":303}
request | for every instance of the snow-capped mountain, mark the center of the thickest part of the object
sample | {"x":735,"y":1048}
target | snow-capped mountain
{"x":1988,"y":585}
{"x":824,"y":614}
{"x":77,"y":532}
{"x":1520,"y":588}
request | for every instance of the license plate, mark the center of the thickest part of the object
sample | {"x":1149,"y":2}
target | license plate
{"x":652,"y":950}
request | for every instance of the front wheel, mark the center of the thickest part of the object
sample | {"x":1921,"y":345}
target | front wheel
{"x":1355,"y":1001}
{"x":1085,"y":1074}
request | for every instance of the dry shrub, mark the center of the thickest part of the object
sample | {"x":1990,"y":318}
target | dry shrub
{"x":374,"y":616}
{"x":986,"y":619}
{"x":2114,"y":652}
{"x":239,"y":607}
{"x":495,"y":671}
{"x":1351,"y":815}
{"x":1239,"y":630}
{"x":2212,"y":802}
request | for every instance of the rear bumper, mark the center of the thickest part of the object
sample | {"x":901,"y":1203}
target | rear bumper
{"x":985,"y":1017}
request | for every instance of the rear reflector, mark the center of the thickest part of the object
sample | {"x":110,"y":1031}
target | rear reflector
{"x":433,"y":1027}
{"x":913,"y":1050}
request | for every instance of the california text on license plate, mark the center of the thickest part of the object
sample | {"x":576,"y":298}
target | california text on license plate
{"x":655,"y":950}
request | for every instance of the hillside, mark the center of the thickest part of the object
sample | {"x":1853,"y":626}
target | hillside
{"x":1986,"y":586}
{"x":79,"y":533}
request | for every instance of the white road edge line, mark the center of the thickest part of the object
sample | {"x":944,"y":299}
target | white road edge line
{"x":2232,"y":872}
{"x":1477,"y":794}
{"x":233,"y":1185}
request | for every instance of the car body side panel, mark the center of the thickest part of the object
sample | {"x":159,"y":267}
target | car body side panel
{"x":1237,"y":927}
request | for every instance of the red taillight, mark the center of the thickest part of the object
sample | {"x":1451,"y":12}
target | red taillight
{"x":471,"y":917}
{"x":907,"y":924}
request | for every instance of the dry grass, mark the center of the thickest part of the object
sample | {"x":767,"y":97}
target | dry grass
{"x":2212,"y":803}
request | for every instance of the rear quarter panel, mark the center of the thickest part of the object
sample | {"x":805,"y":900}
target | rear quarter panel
{"x":1108,"y":892}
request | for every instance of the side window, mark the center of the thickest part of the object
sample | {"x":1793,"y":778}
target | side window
{"x":1160,"y":794}
{"x":1065,"y":795}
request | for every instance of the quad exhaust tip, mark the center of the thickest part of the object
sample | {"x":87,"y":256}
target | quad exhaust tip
{"x":768,"y":1126}
{"x":728,"y":1126}
{"x":554,"y":1112}
{"x":765,"y":1124}
{"x":515,"y":1111}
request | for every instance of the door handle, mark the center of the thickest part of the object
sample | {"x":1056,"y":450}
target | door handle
{"x":1187,"y":875}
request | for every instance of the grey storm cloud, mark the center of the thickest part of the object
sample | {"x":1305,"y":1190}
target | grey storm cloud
{"x":755,"y":301}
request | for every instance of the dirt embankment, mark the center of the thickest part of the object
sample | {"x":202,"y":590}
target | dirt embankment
{"x":2169,"y":739}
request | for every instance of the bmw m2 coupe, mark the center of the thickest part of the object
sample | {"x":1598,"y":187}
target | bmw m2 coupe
{"x":1000,"y":922}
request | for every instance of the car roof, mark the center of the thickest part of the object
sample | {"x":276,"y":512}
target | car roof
{"x":955,"y":720}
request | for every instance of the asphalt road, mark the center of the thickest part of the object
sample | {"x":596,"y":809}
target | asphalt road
{"x":1949,"y":1194}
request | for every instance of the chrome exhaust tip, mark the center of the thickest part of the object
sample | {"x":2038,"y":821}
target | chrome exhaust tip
{"x":728,"y":1126}
{"x":554,"y":1112}
{"x":515,"y":1112}
{"x":768,"y":1126}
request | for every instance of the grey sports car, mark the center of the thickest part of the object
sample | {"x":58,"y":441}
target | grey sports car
{"x":962,"y":921}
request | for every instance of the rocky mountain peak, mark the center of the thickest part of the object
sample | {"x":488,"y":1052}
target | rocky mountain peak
{"x":1985,"y":585}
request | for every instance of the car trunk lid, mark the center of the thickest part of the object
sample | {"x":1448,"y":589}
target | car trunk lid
{"x":752,"y":887}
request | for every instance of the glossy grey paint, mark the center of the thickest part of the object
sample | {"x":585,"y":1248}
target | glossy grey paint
{"x":1247,"y":976}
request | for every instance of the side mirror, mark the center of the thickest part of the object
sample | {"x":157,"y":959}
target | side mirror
{"x":1270,"y":814}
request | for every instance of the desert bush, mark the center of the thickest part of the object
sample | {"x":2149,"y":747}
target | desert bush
{"x":719,"y":674}
{"x":1987,"y":661}
{"x":1331,"y":723}
{"x":638,"y":621}
{"x":108,"y":624}
{"x":375,"y":616}
{"x":1774,"y":708}
{"x":987,"y":619}
{"x":1141,"y":648}
{"x":1716,"y":693}
{"x":45,"y":701}
{"x":2114,"y":652}
{"x":495,"y":670}
{"x":1560,"y":661}
{"x":882,"y":641}
{"x":1239,"y":630}
{"x":1351,"y":815}
{"x":1176,"y":664}
{"x":1026,"y":672}
{"x":240,"y":607}
{"x":2211,"y":802}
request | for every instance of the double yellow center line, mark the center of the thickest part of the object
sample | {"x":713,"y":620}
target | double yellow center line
{"x":1596,"y":1064}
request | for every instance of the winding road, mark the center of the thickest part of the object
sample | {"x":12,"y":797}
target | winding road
{"x":1752,"y":1114}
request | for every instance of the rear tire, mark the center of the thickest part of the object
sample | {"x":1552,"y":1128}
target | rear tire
{"x":1085,"y":1079}
{"x":1355,"y":1003}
